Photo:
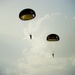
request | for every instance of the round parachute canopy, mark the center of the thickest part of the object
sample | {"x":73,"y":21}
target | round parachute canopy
{"x":53,"y":37}
{"x":27,"y":14}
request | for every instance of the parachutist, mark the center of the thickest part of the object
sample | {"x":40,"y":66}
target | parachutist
{"x":30,"y":36}
{"x":53,"y":54}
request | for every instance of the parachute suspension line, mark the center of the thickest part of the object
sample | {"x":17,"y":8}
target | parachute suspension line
{"x":30,"y":30}
{"x":53,"y":47}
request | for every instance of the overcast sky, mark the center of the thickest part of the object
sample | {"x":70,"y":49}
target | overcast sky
{"x":21,"y":56}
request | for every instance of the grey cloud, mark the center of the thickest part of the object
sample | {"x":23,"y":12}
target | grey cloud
{"x":2,"y":70}
{"x":59,"y":24}
{"x":37,"y":59}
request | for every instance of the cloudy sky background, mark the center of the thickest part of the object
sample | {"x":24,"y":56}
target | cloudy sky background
{"x":21,"y":56}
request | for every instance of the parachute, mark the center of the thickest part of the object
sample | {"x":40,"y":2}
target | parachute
{"x":27,"y":14}
{"x":52,"y":38}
